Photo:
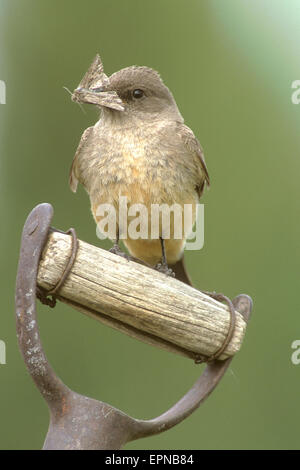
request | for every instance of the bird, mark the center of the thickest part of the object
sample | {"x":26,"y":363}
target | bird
{"x":140,"y":150}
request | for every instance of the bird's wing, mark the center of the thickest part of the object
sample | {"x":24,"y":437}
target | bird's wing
{"x":194,"y":147}
{"x":73,"y":177}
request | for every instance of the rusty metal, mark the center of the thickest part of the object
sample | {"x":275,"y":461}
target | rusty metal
{"x":76,"y":421}
{"x":70,"y":263}
{"x":232,"y":322}
{"x":49,"y":297}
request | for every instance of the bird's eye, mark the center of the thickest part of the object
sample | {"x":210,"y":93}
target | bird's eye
{"x":137,"y":93}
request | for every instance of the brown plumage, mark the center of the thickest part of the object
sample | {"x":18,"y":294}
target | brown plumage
{"x":140,"y":148}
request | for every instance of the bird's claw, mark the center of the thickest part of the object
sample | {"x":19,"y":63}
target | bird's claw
{"x":116,"y":250}
{"x":163,"y":268}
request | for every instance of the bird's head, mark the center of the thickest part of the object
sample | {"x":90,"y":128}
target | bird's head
{"x":136,"y":92}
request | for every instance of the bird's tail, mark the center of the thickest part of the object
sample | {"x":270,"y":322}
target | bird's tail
{"x":181,"y":272}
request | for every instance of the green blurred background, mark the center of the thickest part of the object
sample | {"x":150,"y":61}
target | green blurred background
{"x":230,"y":66}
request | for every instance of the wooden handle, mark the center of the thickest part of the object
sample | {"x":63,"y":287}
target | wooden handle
{"x":137,"y":300}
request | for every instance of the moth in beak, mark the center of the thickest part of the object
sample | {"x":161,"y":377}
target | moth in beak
{"x":93,"y":88}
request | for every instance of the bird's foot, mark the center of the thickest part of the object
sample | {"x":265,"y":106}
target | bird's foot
{"x":163,"y":268}
{"x":116,"y":250}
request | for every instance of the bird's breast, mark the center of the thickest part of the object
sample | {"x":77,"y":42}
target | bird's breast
{"x":139,"y":163}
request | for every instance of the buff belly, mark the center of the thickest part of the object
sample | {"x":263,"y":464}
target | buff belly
{"x":138,"y":170}
{"x":140,"y":222}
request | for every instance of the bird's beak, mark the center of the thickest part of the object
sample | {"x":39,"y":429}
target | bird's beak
{"x":99,"y":97}
{"x":93,"y":88}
